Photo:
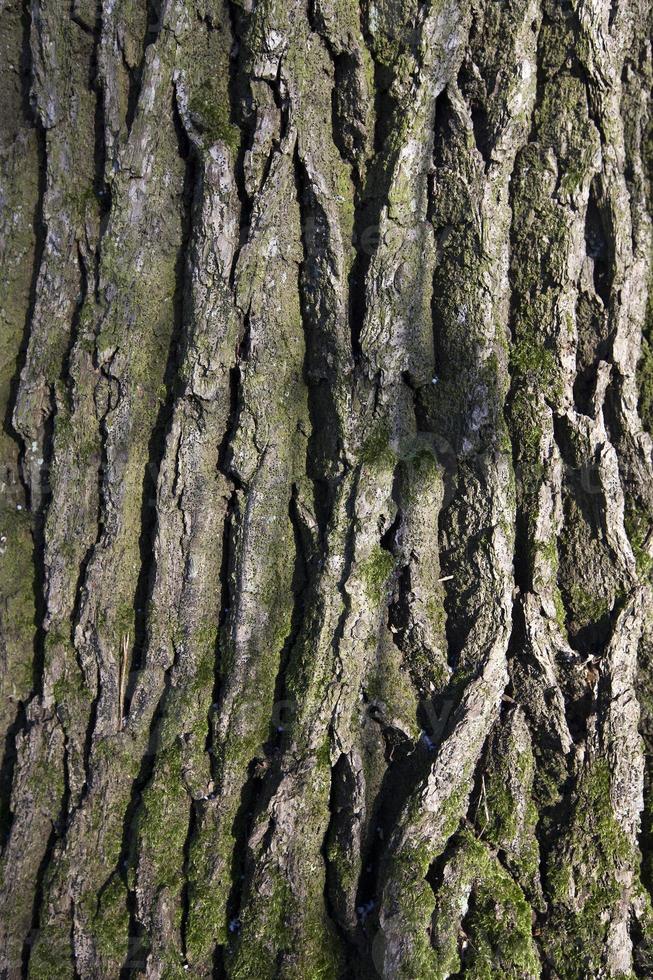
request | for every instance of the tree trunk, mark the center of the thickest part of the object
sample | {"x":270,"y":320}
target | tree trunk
{"x":326,"y":490}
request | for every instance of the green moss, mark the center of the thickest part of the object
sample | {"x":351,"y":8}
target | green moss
{"x":645,"y":365}
{"x":375,"y":571}
{"x":421,"y":476}
{"x":498,"y":923}
{"x":549,"y":551}
{"x":18,"y":613}
{"x":211,"y":113}
{"x":638,"y":528}
{"x":532,"y":361}
{"x":583,"y":878}
{"x":257,"y":956}
{"x":345,"y":867}
{"x":561,"y":612}
{"x":70,"y":690}
{"x":163,"y":817}
{"x":586,"y":608}
{"x":377,"y":451}
{"x":82,"y":198}
{"x":209,"y":884}
{"x":110,"y":927}
{"x":389,"y":684}
{"x":51,"y":957}
{"x":204,"y":639}
{"x":527,"y":431}
{"x":645,"y":384}
{"x":414,"y":896}
{"x":503,"y":823}
{"x":511,"y":814}
{"x":436,"y":614}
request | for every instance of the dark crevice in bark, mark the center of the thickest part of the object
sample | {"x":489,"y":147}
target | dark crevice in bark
{"x":399,"y":611}
{"x":62,"y":823}
{"x":39,"y":232}
{"x":37,"y":904}
{"x":39,"y":518}
{"x":225,"y":453}
{"x":442,"y":115}
{"x":325,"y":448}
{"x":226,"y":570}
{"x":437,"y":868}
{"x":134,"y":76}
{"x":519,"y":656}
{"x":344,"y":67}
{"x":346,"y":942}
{"x":453,"y":553}
{"x":249,"y":807}
{"x":541,"y":79}
{"x":593,"y":346}
{"x":344,"y":70}
{"x":398,"y":607}
{"x":350,"y":508}
{"x":465,"y":946}
{"x":81,"y":595}
{"x":153,"y":27}
{"x":76,"y":973}
{"x":229,"y":534}
{"x":386,"y":106}
{"x":522,"y":565}
{"x":65,"y":376}
{"x":101,"y":189}
{"x":481,"y":131}
{"x":7,"y":766}
{"x":597,"y":244}
{"x":642,"y":950}
{"x":185,"y":890}
{"x":255,"y":789}
{"x":78,"y":20}
{"x":408,"y":764}
{"x":467,"y":82}
{"x":340,"y":823}
{"x":367,"y":215}
{"x":370,"y":199}
{"x":645,"y":692}
{"x":580,"y":492}
{"x":127,"y":858}
{"x":283,"y":103}
{"x":244,"y":115}
{"x":304,"y":572}
{"x":158,"y":437}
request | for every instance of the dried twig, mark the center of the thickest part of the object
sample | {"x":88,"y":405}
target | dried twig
{"x":122,"y":678}
{"x":483,"y":799}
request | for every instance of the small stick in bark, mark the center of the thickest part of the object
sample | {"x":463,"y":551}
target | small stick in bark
{"x":122,"y":678}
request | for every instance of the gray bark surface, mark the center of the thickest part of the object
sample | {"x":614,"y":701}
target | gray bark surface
{"x":326,"y":489}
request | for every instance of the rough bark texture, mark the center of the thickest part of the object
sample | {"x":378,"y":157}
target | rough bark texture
{"x":326,"y":489}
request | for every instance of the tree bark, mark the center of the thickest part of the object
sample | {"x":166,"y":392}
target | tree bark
{"x":326,"y":489}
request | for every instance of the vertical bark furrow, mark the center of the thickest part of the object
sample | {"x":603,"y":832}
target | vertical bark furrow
{"x":62,"y":53}
{"x":577,"y":563}
{"x":20,"y":247}
{"x":102,"y":638}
